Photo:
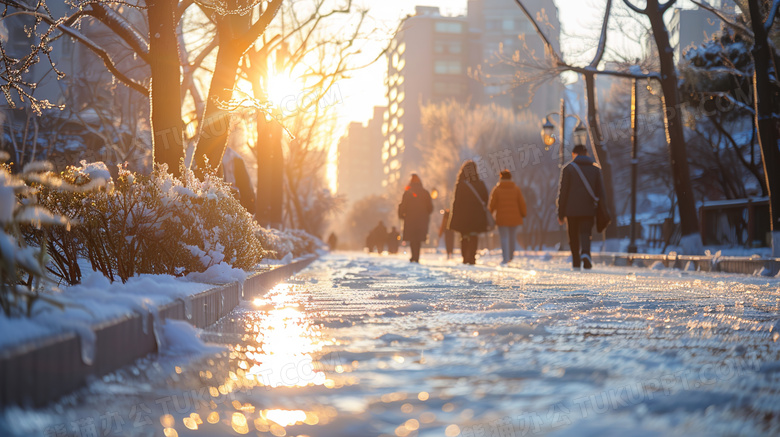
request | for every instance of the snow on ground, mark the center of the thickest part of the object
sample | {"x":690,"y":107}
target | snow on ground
{"x":363,"y":345}
{"x":97,"y":299}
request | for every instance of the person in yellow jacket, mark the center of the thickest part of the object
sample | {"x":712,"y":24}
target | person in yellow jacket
{"x":508,"y":204}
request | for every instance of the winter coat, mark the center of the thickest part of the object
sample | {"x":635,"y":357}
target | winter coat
{"x":467,"y":214}
{"x":573,"y":197}
{"x":415,"y":210}
{"x":507,"y":201}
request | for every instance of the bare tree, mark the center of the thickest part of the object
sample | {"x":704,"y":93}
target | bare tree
{"x":767,"y":120}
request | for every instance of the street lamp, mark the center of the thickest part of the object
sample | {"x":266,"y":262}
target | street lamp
{"x":580,"y":133}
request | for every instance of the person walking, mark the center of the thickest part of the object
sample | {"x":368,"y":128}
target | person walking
{"x":449,"y":234}
{"x":468,"y":214}
{"x":415,"y":210}
{"x":580,"y":188}
{"x":393,"y":238}
{"x":508,"y":203}
{"x":378,"y":238}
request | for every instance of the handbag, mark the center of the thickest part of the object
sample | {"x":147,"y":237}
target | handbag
{"x":602,"y":215}
{"x":491,"y":223}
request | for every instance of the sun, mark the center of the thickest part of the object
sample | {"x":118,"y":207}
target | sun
{"x":283,"y":90}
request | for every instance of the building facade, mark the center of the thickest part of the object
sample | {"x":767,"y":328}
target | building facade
{"x":359,"y":161}
{"x":433,"y":58}
{"x":428,"y":62}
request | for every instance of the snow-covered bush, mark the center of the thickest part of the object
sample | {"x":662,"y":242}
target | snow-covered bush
{"x":22,"y":267}
{"x":150,"y":224}
{"x":293,"y":242}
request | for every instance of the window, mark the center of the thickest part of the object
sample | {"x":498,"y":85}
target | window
{"x":508,"y":24}
{"x":451,"y":47}
{"x":447,"y":67}
{"x":449,"y":27}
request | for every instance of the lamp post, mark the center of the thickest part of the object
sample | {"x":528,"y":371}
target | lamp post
{"x":634,"y":163}
{"x":580,"y":134}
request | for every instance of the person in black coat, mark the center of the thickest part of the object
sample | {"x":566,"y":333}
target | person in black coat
{"x":377,"y":238}
{"x":467,"y":214}
{"x":576,"y":207}
{"x":415,"y":210}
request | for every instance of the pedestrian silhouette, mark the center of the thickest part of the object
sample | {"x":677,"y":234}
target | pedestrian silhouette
{"x":580,"y":189}
{"x":415,"y":210}
{"x":468,"y":214}
{"x":393,"y":239}
{"x":377,"y":238}
{"x":332,"y":241}
{"x":508,"y":203}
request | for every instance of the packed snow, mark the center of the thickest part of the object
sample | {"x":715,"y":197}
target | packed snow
{"x":367,"y":345}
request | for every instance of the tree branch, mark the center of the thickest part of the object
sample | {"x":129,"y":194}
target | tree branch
{"x":602,"y":38}
{"x":725,"y":19}
{"x":635,"y":8}
{"x":547,"y":44}
{"x":771,"y":16}
{"x":257,"y":29}
{"x":664,"y":7}
{"x":96,"y":49}
{"x":122,"y":28}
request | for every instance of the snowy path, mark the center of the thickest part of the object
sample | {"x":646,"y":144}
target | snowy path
{"x":365,"y":345}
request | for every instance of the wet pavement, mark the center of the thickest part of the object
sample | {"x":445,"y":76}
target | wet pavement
{"x":363,"y":345}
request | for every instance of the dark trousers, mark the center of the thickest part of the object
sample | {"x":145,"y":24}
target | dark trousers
{"x":415,"y":246}
{"x":579,"y":237}
{"x":468,"y":248}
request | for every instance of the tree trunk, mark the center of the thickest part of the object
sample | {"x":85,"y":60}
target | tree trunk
{"x":689,"y":222}
{"x":270,"y":176}
{"x":215,"y":123}
{"x":165,"y":88}
{"x":766,"y":120}
{"x":601,"y":153}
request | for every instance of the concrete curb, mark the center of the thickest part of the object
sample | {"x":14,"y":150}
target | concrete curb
{"x":43,"y":370}
{"x":725,"y":264}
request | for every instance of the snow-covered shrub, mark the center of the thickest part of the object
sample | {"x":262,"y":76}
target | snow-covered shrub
{"x":151,"y":224}
{"x":22,"y":266}
{"x":294,"y":242}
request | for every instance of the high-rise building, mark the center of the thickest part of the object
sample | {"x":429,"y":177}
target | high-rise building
{"x":499,"y":29}
{"x":428,"y":60}
{"x":359,"y":163}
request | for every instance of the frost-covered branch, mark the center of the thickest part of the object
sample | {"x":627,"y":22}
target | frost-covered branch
{"x":728,"y":21}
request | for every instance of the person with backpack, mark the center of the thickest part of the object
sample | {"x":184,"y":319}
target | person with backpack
{"x":508,"y":203}
{"x":581,"y":189}
{"x":469,"y":212}
{"x":415,"y":210}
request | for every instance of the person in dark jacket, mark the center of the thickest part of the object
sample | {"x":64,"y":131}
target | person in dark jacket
{"x":377,"y":238}
{"x":576,"y":207}
{"x":508,"y":203}
{"x":393,"y":238}
{"x":468,"y":214}
{"x":333,"y":241}
{"x":449,"y":234}
{"x":415,"y":210}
